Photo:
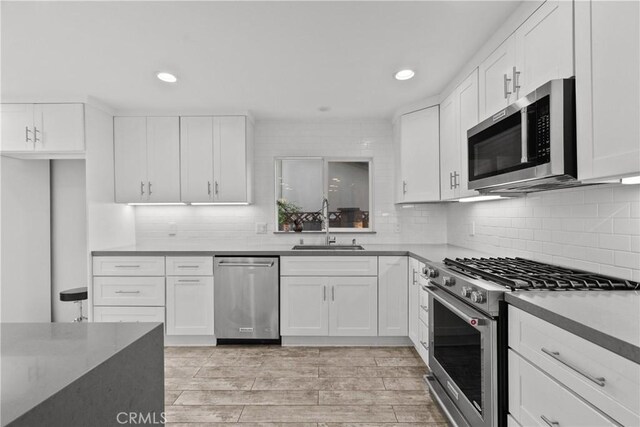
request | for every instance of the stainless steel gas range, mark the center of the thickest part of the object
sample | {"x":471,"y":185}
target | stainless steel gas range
{"x":468,"y":328}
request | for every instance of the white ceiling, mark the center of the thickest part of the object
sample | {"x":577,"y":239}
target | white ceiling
{"x":276,"y":59}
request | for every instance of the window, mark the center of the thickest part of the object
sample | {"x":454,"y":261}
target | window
{"x":303,"y":183}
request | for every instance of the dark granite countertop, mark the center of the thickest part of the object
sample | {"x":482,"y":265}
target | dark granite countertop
{"x":423,"y":253}
{"x":610,"y":319}
{"x":40,"y":359}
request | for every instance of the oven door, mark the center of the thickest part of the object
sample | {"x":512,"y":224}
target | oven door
{"x":463,"y":357}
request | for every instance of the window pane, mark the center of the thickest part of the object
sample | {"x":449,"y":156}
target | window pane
{"x":299,"y":190}
{"x":348,"y":186}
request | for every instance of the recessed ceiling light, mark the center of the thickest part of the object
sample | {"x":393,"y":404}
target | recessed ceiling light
{"x":405,"y":74}
{"x":167,"y":77}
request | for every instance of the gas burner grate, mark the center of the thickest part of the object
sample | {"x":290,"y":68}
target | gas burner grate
{"x":523,"y":274}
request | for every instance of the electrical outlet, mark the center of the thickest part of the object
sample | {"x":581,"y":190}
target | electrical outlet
{"x":472,"y":228}
{"x":261,"y":228}
{"x":173,"y":229}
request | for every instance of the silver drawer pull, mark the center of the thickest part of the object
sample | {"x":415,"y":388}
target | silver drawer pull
{"x":245,"y":264}
{"x":549,"y":422}
{"x":556,"y":355}
{"x":188,"y":266}
{"x":424,"y":344}
{"x":127,"y":292}
{"x":189,"y":281}
{"x":127,"y":266}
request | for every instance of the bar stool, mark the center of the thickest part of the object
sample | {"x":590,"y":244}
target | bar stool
{"x":77,"y":295}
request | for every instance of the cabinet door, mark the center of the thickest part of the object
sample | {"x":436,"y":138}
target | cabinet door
{"x":449,"y":147}
{"x":393,"y":286}
{"x":304,"y":307}
{"x":467,"y":115}
{"x":16,"y":121}
{"x":59,"y":127}
{"x":607,"y":84}
{"x":189,"y":305}
{"x":544,"y":46}
{"x":230,"y":159}
{"x":420,"y":156}
{"x":196,"y":159}
{"x":163,"y":159}
{"x":414,"y":302}
{"x":353,"y":310}
{"x":495,"y":74}
{"x":130,"y":146}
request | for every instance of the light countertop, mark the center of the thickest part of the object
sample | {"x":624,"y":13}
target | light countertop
{"x":40,"y":359}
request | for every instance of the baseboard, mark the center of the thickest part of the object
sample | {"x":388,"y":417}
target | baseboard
{"x":346,"y":341}
{"x":189,"y":340}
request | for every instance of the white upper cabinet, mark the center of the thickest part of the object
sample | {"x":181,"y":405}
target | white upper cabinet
{"x":419,"y":156}
{"x":42,"y":128}
{"x":458,"y":113}
{"x":544,"y":47}
{"x":215,"y":161}
{"x":496,"y":79}
{"x":541,"y":49}
{"x":607,"y":88}
{"x":147,"y":159}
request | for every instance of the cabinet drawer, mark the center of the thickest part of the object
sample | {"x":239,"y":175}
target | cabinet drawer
{"x":128,"y":314}
{"x":141,"y":291}
{"x":329,"y":266}
{"x":189,"y":266}
{"x":424,"y":306}
{"x":128,"y":266}
{"x":534,"y":397}
{"x":578,"y":363}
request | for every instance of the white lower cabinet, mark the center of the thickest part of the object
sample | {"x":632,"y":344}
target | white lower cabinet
{"x":189,"y":305}
{"x":393,"y":296}
{"x":128,"y":314}
{"x":329,"y":306}
{"x":537,"y":400}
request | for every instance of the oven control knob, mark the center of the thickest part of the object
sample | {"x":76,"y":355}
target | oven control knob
{"x":466,"y":291}
{"x":477,"y":297}
{"x":432,"y":273}
{"x":449,"y":281}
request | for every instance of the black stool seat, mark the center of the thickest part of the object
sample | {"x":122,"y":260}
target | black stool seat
{"x":76,"y":294}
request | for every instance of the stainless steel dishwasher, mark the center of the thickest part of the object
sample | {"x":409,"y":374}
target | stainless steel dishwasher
{"x":246,"y":298}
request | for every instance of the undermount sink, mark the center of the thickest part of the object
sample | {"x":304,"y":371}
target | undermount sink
{"x":328,"y":247}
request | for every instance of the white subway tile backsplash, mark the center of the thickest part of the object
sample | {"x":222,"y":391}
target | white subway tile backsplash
{"x":615,"y":241}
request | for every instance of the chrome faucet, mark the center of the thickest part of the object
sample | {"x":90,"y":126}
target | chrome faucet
{"x":325,"y":218}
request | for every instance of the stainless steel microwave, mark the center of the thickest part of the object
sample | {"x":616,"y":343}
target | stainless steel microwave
{"x":528,"y":146}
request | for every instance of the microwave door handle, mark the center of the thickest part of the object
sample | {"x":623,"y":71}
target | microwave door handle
{"x":524,"y":135}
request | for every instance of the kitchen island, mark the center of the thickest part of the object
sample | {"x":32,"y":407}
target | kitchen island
{"x":72,"y":374}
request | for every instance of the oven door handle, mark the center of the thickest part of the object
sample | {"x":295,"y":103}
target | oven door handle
{"x":473,"y":321}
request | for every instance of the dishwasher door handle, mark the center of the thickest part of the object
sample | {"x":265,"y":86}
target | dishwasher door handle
{"x":245,"y":264}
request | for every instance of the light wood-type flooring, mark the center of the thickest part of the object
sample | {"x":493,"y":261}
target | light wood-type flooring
{"x":297,"y":386}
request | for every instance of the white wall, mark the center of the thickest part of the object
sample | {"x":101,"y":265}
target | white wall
{"x":235,"y":225}
{"x":25,"y":283}
{"x":68,"y":235}
{"x":593,"y":228}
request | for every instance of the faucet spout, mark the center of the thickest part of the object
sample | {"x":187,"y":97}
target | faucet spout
{"x":325,"y":217}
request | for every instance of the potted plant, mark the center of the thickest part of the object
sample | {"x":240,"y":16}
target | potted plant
{"x":285,"y":210}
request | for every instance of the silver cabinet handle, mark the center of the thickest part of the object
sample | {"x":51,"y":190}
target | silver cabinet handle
{"x":149,"y":187}
{"x":127,"y":292}
{"x":245,"y":264}
{"x":414,"y":276}
{"x":216,"y":185}
{"x":556,"y":355}
{"x":141,"y":188}
{"x":450,"y":180}
{"x":187,"y":266}
{"x":333,"y":293}
{"x":209,"y":188}
{"x":188,"y":280}
{"x":35,"y":134}
{"x":424,"y":344}
{"x":127,"y":266}
{"x":506,"y":86}
{"x":549,"y":422}
{"x":516,"y":78}
{"x":26,"y":134}
{"x":324,"y":292}
{"x":456,"y":181}
{"x":404,"y":187}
